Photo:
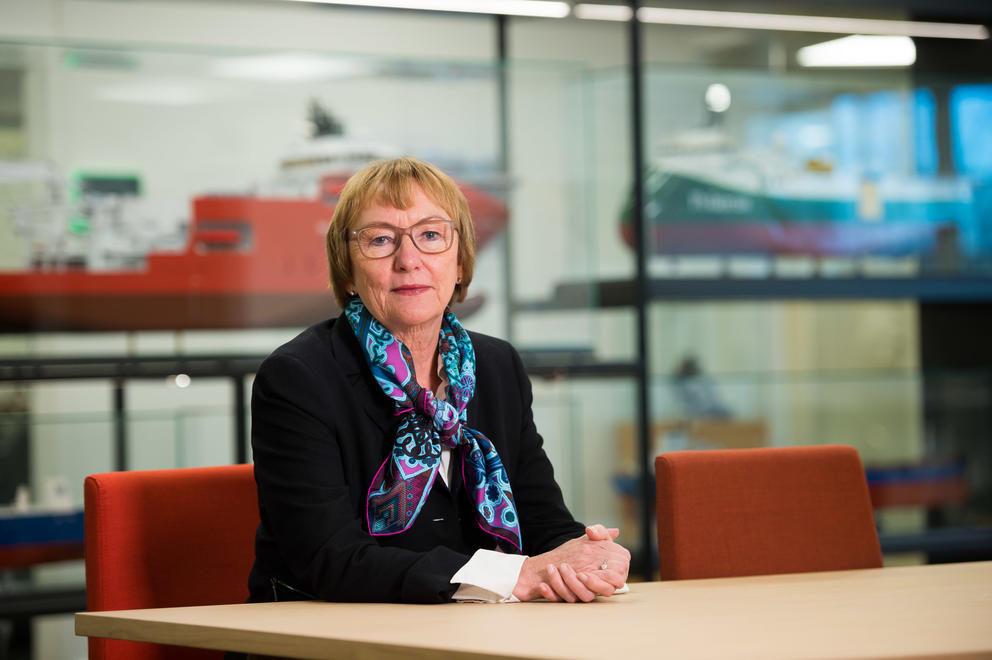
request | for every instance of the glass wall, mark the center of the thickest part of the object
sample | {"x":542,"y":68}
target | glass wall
{"x":159,"y":201}
{"x":794,"y":222}
{"x":159,"y":198}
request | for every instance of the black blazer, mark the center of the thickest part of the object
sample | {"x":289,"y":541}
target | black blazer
{"x":321,"y":427}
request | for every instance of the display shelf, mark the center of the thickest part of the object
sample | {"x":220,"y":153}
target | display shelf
{"x":962,"y":542}
{"x":127,"y":367}
{"x":567,"y":363}
{"x":38,"y":601}
{"x":542,"y":363}
{"x":621,"y":292}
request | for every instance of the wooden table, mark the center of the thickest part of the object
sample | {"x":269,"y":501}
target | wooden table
{"x":918,"y":611}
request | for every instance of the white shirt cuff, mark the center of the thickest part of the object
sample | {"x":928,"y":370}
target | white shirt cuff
{"x":488,"y":577}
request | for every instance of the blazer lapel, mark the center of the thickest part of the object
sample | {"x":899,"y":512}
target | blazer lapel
{"x":348,"y":354}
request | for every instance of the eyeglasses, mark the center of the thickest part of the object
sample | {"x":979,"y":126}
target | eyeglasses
{"x":430,"y":236}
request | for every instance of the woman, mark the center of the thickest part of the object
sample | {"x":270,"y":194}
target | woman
{"x":395,"y":453}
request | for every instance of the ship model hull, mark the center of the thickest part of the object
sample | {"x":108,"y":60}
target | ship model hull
{"x":687,"y":214}
{"x":250,"y":262}
{"x":180,"y":311}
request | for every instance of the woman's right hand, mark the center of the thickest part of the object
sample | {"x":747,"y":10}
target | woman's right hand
{"x":573,"y":571}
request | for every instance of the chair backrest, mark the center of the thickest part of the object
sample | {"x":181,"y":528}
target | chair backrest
{"x":735,"y":512}
{"x":167,"y":538}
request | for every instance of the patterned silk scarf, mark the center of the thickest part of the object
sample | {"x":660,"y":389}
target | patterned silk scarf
{"x":427,"y":424}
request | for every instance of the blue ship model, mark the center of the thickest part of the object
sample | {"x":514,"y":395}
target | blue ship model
{"x":731,"y":203}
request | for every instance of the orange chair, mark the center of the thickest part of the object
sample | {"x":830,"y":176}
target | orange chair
{"x":734,"y":512}
{"x":167,"y":538}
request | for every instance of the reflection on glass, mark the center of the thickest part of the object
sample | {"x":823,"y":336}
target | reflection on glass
{"x":191,"y":190}
{"x":815,"y":167}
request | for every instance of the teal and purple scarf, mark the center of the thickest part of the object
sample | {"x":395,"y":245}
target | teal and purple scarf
{"x":427,"y":424}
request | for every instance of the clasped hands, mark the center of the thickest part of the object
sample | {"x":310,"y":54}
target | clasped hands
{"x":574,"y":570}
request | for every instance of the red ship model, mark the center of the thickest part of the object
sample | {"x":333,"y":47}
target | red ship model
{"x":249,"y":260}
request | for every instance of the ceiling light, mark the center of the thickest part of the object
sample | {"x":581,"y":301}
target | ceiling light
{"x":788,"y":22}
{"x":859,"y":50}
{"x":603,"y":12}
{"x":795,"y":23}
{"x":717,"y":98}
{"x":542,"y":8}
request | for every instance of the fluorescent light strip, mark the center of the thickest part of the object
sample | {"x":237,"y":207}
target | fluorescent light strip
{"x":786,"y":22}
{"x":603,"y":12}
{"x":858,"y":50}
{"x":795,"y":23}
{"x":540,"y":8}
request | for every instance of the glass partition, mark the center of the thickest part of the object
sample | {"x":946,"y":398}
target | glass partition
{"x":790,"y":184}
{"x":794,"y":219}
{"x":172,"y":201}
{"x":815,"y":176}
{"x":151,"y":189}
{"x":927,"y":464}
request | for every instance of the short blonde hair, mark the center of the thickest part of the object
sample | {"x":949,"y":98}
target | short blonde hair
{"x":389,"y":182}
